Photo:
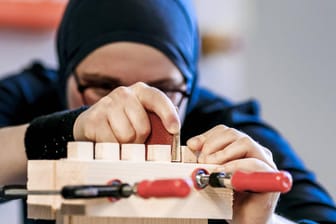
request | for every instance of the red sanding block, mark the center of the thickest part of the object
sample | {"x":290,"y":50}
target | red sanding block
{"x":159,"y":134}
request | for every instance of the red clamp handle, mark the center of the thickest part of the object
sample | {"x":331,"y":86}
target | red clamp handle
{"x":262,"y":181}
{"x":163,"y":188}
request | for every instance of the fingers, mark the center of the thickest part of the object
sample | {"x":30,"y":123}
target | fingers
{"x":121,"y":116}
{"x":243,"y":147}
{"x":221,"y":145}
{"x":127,"y":117}
{"x":236,"y":151}
{"x":245,"y":165}
{"x":88,"y":127}
{"x":156,"y":101}
{"x":246,"y":148}
{"x":214,"y":139}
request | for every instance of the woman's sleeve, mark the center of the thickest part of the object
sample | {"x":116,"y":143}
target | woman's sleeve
{"x":27,"y":94}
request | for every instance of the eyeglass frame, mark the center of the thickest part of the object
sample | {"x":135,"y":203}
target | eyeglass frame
{"x":81,"y":89}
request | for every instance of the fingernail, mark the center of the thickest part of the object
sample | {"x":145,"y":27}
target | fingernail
{"x":174,"y":128}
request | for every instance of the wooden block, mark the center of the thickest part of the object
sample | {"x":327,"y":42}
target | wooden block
{"x":100,"y":220}
{"x":46,"y":212}
{"x":160,"y":153}
{"x":41,"y":176}
{"x":176,"y":149}
{"x":62,"y":219}
{"x":208,"y":203}
{"x":107,"y":151}
{"x":188,"y":156}
{"x":133,"y":152}
{"x":80,"y":150}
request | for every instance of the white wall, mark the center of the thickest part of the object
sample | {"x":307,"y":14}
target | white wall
{"x":223,"y":72}
{"x":288,"y":63}
{"x":10,"y":213}
{"x":291,"y":68}
{"x":19,"y":47}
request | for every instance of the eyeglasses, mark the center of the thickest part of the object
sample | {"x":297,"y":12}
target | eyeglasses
{"x":91,"y":93}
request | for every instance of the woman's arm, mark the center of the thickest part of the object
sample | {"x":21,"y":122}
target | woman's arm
{"x":13,"y":160}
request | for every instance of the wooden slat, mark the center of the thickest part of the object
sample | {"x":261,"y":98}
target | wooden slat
{"x":133,"y":152}
{"x":80,"y":150}
{"x":160,"y":153}
{"x":107,"y":151}
{"x":99,"y":220}
{"x":206,"y":203}
{"x":188,"y":156}
{"x":200,"y":205}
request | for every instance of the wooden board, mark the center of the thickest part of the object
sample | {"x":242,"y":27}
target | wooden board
{"x":198,"y":207}
{"x":99,"y":220}
{"x":207,"y":203}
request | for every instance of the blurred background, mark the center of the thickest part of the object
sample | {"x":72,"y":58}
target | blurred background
{"x":279,"y":52}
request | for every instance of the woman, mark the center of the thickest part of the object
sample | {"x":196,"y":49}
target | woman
{"x":120,"y":59}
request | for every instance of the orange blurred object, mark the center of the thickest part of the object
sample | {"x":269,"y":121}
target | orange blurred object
{"x":31,"y":14}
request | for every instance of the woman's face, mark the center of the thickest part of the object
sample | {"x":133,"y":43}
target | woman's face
{"x":123,"y":64}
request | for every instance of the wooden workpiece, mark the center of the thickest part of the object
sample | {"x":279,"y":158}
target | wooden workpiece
{"x":107,"y":151}
{"x":41,"y":176}
{"x":133,"y":152}
{"x":188,"y":156}
{"x":80,"y":150}
{"x":99,"y":163}
{"x":98,"y":220}
{"x":159,"y":153}
{"x":209,"y":203}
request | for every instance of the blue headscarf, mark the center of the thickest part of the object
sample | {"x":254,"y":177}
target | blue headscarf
{"x":167,"y":25}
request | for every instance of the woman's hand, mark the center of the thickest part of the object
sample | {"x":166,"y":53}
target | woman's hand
{"x":121,"y":116}
{"x":234,"y":150}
